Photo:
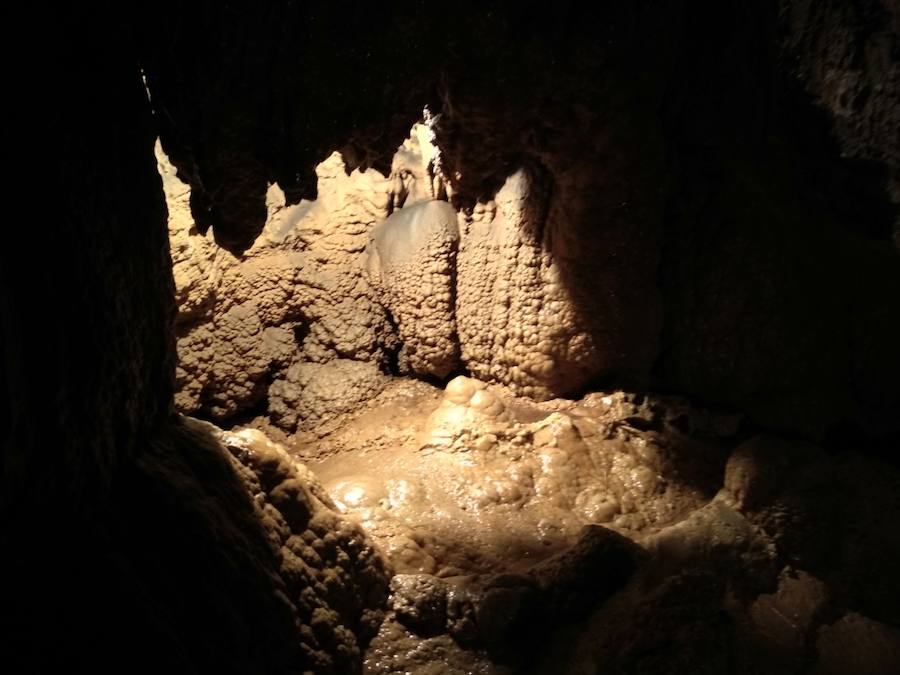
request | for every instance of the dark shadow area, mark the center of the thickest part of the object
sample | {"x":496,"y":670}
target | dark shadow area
{"x":160,"y":576}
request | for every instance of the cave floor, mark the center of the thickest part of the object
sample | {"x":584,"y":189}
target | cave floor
{"x":450,"y":490}
{"x":567,"y":535}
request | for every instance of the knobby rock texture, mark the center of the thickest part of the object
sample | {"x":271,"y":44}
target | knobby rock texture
{"x":686,"y":207}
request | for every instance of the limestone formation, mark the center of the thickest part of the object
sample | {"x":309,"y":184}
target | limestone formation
{"x":468,"y":405}
{"x":409,"y":289}
{"x":365,"y":271}
{"x":331,"y":576}
{"x":312,"y":394}
{"x":516,"y":324}
{"x":532,"y":291}
{"x":699,"y":197}
{"x":420,"y":602}
{"x":412,"y":263}
{"x":298,"y":294}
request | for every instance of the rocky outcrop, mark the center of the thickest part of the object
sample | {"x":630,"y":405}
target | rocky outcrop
{"x":510,"y":307}
{"x":221,"y":551}
{"x":300,"y":295}
{"x":334,"y":579}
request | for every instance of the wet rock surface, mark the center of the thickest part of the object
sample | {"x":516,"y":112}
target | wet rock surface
{"x":612,"y":527}
{"x":474,"y":487}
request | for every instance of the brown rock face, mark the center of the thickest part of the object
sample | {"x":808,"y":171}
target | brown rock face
{"x":689,"y":215}
{"x":535,"y":295}
{"x":299,"y":296}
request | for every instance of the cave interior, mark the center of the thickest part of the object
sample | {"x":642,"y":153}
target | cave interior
{"x":478,"y":338}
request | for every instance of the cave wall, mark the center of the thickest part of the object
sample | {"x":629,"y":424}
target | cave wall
{"x":299,"y":294}
{"x":769,"y":212}
{"x":86,"y":385}
{"x":134,"y":539}
{"x":304,"y":305}
{"x":718,"y":223}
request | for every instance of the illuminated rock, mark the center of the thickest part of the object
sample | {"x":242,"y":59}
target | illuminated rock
{"x":468,"y":406}
{"x":299,"y":293}
{"x":411,"y":262}
{"x":517,"y":322}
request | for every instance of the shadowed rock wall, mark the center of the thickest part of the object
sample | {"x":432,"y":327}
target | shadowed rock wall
{"x":135,"y":540}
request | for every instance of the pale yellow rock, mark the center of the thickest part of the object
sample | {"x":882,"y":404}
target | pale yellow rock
{"x":239,"y":320}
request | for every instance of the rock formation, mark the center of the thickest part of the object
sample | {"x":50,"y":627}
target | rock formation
{"x":412,"y":263}
{"x":698,"y":198}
